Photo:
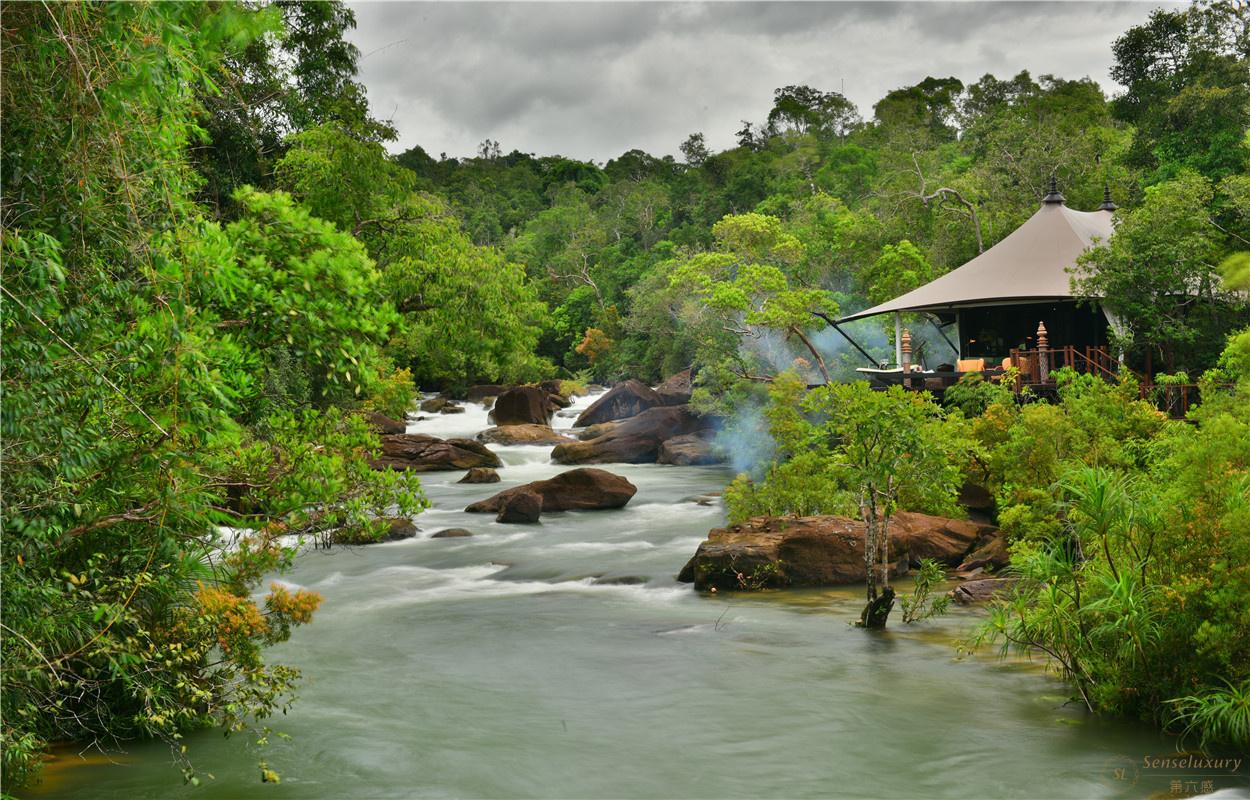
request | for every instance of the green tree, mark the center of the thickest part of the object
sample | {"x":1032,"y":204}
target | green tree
{"x":1159,"y":273}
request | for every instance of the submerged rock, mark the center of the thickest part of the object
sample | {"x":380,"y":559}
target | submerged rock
{"x":451,"y":408}
{"x":576,"y":489}
{"x":451,"y":533}
{"x":397,"y":528}
{"x":625,"y":400}
{"x":768,"y":552}
{"x":480,"y":475}
{"x":521,"y":507}
{"x":522,"y":434}
{"x":635,"y":440}
{"x":419,"y":452}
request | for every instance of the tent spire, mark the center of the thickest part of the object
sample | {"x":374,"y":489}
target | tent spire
{"x":1107,"y":203}
{"x":1053,"y":196}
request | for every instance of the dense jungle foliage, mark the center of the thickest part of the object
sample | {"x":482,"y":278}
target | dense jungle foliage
{"x":211,"y":265}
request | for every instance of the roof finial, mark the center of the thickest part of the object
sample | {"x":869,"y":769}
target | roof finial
{"x":1053,"y":196}
{"x":1107,"y":203}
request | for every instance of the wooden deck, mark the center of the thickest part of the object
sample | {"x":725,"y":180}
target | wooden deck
{"x":1034,"y":371}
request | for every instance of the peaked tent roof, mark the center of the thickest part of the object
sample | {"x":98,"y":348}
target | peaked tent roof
{"x":1032,"y":263}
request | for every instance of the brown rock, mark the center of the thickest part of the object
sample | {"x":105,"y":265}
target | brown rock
{"x":397,"y":528}
{"x":688,"y":450}
{"x":451,"y":408}
{"x":635,"y":440}
{"x":521,"y":507}
{"x":451,"y":533}
{"x":595,"y":431}
{"x":992,"y":554}
{"x":524,"y":405}
{"x":625,"y":400}
{"x":382,"y":423}
{"x":480,"y":475}
{"x":978,"y":591}
{"x":818,"y":551}
{"x":574,"y":489}
{"x":522,"y":434}
{"x":419,"y":452}
{"x":675,"y":391}
{"x":434,"y":404}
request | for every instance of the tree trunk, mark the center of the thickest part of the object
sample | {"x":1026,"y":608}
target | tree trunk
{"x":878,"y":611}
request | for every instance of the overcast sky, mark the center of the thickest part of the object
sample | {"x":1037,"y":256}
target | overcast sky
{"x":592,"y":80}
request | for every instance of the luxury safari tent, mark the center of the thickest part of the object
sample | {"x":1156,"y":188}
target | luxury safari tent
{"x":1010,"y":306}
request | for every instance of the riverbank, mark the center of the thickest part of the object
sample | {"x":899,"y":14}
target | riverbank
{"x":564,"y":660}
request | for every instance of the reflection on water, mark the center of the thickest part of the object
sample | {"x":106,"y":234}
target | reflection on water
{"x":564,"y":660}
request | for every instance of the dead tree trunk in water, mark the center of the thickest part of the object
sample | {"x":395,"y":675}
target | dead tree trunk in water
{"x":878,"y":611}
{"x":876,"y":560}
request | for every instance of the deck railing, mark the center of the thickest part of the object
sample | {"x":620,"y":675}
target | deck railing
{"x":1036,"y":370}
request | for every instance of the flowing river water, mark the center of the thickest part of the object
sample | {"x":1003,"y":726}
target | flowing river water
{"x":564,"y":660}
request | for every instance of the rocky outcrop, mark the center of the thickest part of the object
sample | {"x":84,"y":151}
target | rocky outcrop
{"x":451,"y":533}
{"x":523,"y":405}
{"x":635,"y":440}
{"x":767,"y":552}
{"x":688,"y":450}
{"x":382,"y":423}
{"x":419,"y":452}
{"x":625,"y":400}
{"x":521,"y":507}
{"x":397,"y":528}
{"x":576,"y":489}
{"x":675,"y":391}
{"x":480,"y":475}
{"x":521,"y":434}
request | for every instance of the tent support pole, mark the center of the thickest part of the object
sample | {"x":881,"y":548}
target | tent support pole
{"x":898,"y":338}
{"x":847,"y":336}
{"x":934,"y":321}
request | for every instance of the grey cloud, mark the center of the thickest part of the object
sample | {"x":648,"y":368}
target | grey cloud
{"x":592,"y":80}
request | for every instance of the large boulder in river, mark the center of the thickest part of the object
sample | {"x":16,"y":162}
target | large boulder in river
{"x":523,"y":405}
{"x":522,"y":434}
{"x":522,"y":507}
{"x":577,"y":489}
{"x":635,"y":440}
{"x":382,"y":423}
{"x":626,"y":399}
{"x":675,"y":391}
{"x":688,"y":450}
{"x":768,"y":552}
{"x":419,"y":452}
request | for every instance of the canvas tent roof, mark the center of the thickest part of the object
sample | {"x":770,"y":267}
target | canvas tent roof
{"x":1031,"y":263}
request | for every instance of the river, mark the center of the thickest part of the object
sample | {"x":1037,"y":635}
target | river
{"x":564,"y":660}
